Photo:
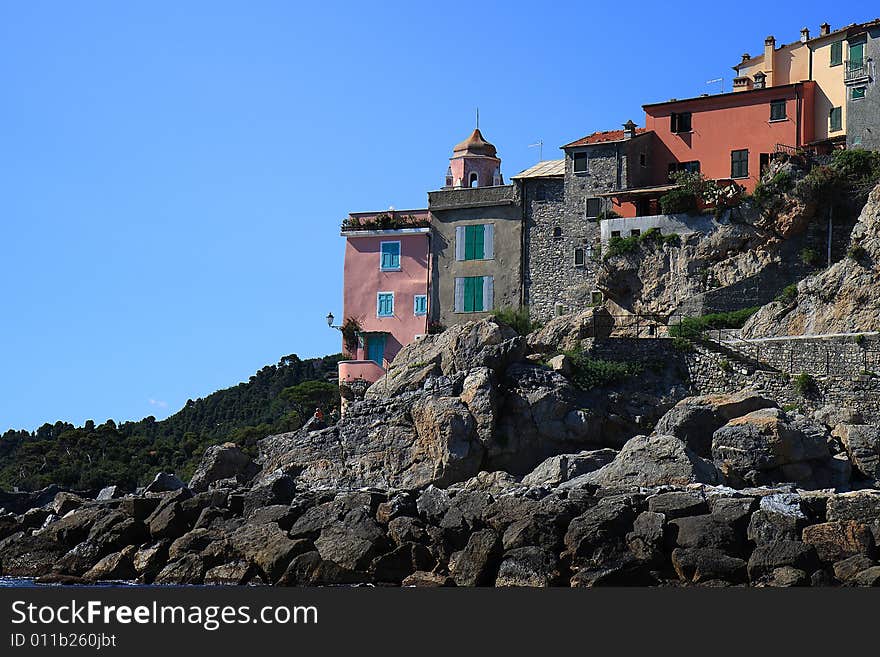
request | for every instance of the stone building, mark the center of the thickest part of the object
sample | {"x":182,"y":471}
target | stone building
{"x":862,"y":93}
{"x":476,"y":237}
{"x":562,"y":204}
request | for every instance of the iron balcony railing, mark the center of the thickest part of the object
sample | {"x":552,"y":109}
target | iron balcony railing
{"x":856,"y":71}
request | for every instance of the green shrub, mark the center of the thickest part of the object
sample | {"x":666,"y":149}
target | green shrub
{"x":693,"y":327}
{"x":678,"y":201}
{"x":803,"y":384}
{"x":860,"y":339}
{"x":592,"y":372}
{"x":622,"y":245}
{"x":857,"y":253}
{"x":682,"y":344}
{"x":517,"y":319}
{"x":810,"y":257}
{"x":725,"y":365}
{"x":788,"y":294}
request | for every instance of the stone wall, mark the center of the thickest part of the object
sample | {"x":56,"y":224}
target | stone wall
{"x":680,"y":224}
{"x":710,"y":370}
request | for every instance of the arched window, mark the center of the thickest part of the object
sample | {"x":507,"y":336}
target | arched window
{"x":557,"y":232}
{"x":474,"y":180}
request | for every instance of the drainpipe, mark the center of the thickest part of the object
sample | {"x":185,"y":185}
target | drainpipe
{"x":429,"y":306}
{"x":797,"y":91}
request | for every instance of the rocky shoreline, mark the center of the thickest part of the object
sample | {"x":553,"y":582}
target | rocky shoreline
{"x":478,"y":462}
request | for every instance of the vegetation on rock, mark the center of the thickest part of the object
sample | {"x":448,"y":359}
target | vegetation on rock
{"x":693,"y":327}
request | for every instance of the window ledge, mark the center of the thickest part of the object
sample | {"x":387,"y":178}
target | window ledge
{"x":390,"y":269}
{"x":778,"y":120}
{"x":739,"y":177}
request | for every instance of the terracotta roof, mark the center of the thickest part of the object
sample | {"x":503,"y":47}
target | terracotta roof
{"x":603,"y":137}
{"x":545,"y":169}
{"x":475,"y":145}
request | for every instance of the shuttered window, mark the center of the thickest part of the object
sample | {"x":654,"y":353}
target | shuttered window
{"x":836,"y":119}
{"x":837,"y":53}
{"x":777,"y":110}
{"x":390,"y":256}
{"x":739,"y":164}
{"x":594,"y":206}
{"x":420,"y":304}
{"x":474,"y":294}
{"x":680,"y":122}
{"x":385,"y":304}
{"x":475,"y":242}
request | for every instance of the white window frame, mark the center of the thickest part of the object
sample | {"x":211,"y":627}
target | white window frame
{"x":378,"y":298}
{"x":399,"y":255}
{"x":420,"y":296}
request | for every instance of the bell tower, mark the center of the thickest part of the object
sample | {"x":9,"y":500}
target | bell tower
{"x":474,"y":163}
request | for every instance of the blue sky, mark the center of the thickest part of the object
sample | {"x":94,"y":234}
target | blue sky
{"x":173,"y":174}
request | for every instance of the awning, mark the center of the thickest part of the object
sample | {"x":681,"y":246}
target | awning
{"x":638,"y":192}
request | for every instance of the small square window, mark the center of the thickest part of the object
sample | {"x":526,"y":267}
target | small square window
{"x":615,"y":233}
{"x":594,"y":207}
{"x":777,"y":110}
{"x":835,"y":119}
{"x":643,"y":159}
{"x":596,"y":296}
{"x":858,"y":93}
{"x":680,"y":122}
{"x":635,"y":232}
{"x":581,"y":163}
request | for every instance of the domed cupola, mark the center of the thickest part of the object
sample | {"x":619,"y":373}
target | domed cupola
{"x":474,"y":163}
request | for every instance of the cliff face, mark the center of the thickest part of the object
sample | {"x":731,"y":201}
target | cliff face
{"x":751,"y":250}
{"x":842,"y":299}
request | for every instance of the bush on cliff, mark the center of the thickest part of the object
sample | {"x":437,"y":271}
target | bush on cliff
{"x":693,"y":327}
{"x":589,"y":372}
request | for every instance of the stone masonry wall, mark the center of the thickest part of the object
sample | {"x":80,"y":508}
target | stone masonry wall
{"x":711,"y":371}
{"x":863,"y":115}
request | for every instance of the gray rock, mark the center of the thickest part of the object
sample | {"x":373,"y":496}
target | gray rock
{"x":779,"y":517}
{"x":647,"y":461}
{"x":563,"y":467}
{"x":607,"y":522}
{"x":163,"y":483}
{"x":110,"y":493}
{"x":862,"y":443}
{"x":766,"y":558}
{"x":677,"y":504}
{"x":846,"y":569}
{"x":528,"y":566}
{"x":839,"y":539}
{"x":477,"y":563}
{"x":222,"y":462}
{"x":693,"y":420}
{"x":704,"y":564}
{"x":861,"y":506}
{"x":704,"y":532}
{"x":647,"y":539}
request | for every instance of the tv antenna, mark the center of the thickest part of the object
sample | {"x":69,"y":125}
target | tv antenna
{"x":714,"y":80}
{"x":540,"y":146}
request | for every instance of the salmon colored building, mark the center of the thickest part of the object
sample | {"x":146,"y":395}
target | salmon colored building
{"x":385,"y":288}
{"x":730,"y":136}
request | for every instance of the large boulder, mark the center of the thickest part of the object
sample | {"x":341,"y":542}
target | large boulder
{"x":565,"y":333}
{"x":563,"y":467}
{"x":222,"y":462}
{"x":767,"y":446}
{"x":647,"y":461}
{"x":460,"y":348}
{"x":862,"y":443}
{"x":694,"y":419}
{"x":861,"y":506}
{"x":838,"y":540}
{"x":164,"y":483}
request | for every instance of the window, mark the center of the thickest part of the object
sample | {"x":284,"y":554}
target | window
{"x":857,"y":54}
{"x":385,"y":304}
{"x":594,"y":207}
{"x":420,"y":304}
{"x":857,"y":93}
{"x":836,"y":119}
{"x":579,"y":257}
{"x":390,"y":256}
{"x":474,"y":294}
{"x":680,"y":122}
{"x":643,"y":159}
{"x":475,"y":242}
{"x":690,"y":167}
{"x":837,"y":53}
{"x":581,"y":163}
{"x":635,"y":232}
{"x":596,"y":297}
{"x":777,"y":110}
{"x":615,"y":233}
{"x":557,"y":232}
{"x":739,"y":164}
{"x":474,"y":180}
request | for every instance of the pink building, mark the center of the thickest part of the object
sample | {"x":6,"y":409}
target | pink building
{"x":385,"y":288}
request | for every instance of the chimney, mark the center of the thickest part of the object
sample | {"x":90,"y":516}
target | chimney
{"x":805,"y":34}
{"x":745,"y":57}
{"x":769,"y":54}
{"x":629,"y":129}
{"x":824,"y":29}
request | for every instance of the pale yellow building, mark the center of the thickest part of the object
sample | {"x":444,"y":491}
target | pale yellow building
{"x":823,"y":59}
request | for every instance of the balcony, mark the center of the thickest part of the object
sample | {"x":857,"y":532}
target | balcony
{"x":857,"y":72}
{"x":365,"y":370}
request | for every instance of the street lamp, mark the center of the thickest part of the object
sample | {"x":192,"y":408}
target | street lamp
{"x":330,"y":320}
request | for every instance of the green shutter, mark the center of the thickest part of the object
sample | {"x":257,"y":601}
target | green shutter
{"x":469,"y":243}
{"x":836,"y":53}
{"x":857,"y":54}
{"x":478,"y":294}
{"x":836,"y":118}
{"x":468,"y":295}
{"x":479,"y":242}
